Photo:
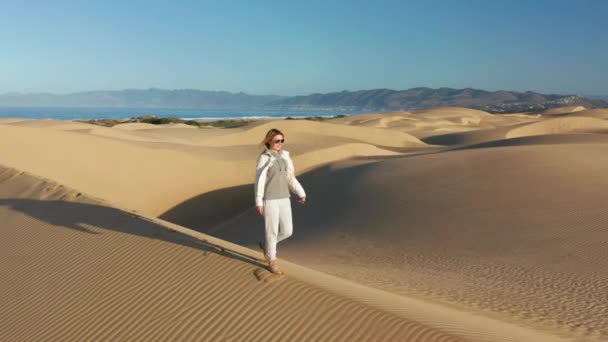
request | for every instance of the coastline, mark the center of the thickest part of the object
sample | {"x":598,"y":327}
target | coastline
{"x":120,"y":113}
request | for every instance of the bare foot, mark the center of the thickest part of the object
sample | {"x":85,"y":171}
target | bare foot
{"x":274,"y":268}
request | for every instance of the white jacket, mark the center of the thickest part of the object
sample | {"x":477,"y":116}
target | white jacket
{"x":265,"y":161}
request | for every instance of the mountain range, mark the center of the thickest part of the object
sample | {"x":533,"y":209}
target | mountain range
{"x":139,"y":98}
{"x":372,"y":100}
{"x":420,"y":98}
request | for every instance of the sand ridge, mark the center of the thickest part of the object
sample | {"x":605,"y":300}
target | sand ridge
{"x":132,"y":169}
{"x":379,"y":137}
{"x":561,"y":125}
{"x":563,"y":110}
{"x":110,"y":274}
{"x":525,"y":249}
{"x":431,"y":122}
{"x":600,"y":113}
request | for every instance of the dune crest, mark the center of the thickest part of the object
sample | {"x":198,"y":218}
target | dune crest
{"x":314,"y":159}
{"x":131,"y":167}
{"x":563,"y":110}
{"x":132,"y":126}
{"x":436,"y":121}
{"x":560,"y":125}
{"x":380,"y":137}
{"x":453,"y":112}
{"x":600,"y":113}
{"x":379,"y":120}
{"x":501,"y":231}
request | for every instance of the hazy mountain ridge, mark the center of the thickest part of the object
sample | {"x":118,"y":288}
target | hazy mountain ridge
{"x":372,"y":100}
{"x":141,"y":98}
{"x":421,"y":97}
{"x":598,"y":97}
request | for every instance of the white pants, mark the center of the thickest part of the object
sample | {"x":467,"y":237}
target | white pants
{"x":277,"y":216}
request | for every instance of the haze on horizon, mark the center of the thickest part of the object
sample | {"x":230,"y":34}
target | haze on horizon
{"x":281,"y":48}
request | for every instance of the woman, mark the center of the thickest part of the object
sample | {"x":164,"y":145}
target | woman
{"x":275,"y":179}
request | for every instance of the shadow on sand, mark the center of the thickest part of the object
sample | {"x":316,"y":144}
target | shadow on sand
{"x":210,"y":209}
{"x":80,"y":216}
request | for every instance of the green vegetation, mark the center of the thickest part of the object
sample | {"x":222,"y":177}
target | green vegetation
{"x":164,"y":121}
{"x":230,"y":123}
{"x":226,"y":123}
{"x":316,"y":118}
{"x":151,"y":119}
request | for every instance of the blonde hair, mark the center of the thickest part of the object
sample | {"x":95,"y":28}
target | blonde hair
{"x":269,"y":136}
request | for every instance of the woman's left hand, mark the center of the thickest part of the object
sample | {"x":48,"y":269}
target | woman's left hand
{"x":302,"y":200}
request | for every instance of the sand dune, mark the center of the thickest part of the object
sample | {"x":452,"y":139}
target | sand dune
{"x":493,"y":232}
{"x":75,"y":269}
{"x":4,"y":121}
{"x":561,"y":125}
{"x":189,"y":136}
{"x":454,"y":113}
{"x":551,"y":126}
{"x":320,"y":157}
{"x":48,"y":123}
{"x":253,"y":135}
{"x":113,"y":169}
{"x":516,"y":232}
{"x":181,"y":125}
{"x":131,"y":126}
{"x":83,"y":270}
{"x":437,"y":121}
{"x":546,"y":139}
{"x":380,"y":120}
{"x":151,"y":174}
{"x":471,"y":137}
{"x":117,"y":134}
{"x":564,"y":110}
{"x":577,"y":111}
{"x":36,"y":123}
{"x":600,"y":113}
{"x":465,"y":119}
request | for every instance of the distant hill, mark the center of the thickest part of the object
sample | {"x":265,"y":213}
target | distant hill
{"x":372,"y":100}
{"x":419,"y":98}
{"x":139,"y":98}
{"x":598,"y":97}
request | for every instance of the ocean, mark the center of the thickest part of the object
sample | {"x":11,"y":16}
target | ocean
{"x":72,"y":113}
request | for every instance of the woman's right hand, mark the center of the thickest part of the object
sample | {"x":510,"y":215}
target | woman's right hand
{"x":260,"y":210}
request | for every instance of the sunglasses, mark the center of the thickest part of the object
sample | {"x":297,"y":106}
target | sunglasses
{"x":279,"y":141}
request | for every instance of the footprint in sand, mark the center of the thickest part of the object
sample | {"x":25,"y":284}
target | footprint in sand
{"x":264,"y":275}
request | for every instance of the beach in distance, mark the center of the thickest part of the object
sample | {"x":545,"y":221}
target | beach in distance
{"x":441,"y":224}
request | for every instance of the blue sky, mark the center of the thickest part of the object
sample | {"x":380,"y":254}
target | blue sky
{"x":302,"y":47}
